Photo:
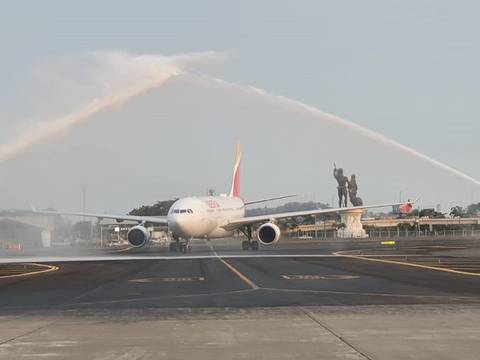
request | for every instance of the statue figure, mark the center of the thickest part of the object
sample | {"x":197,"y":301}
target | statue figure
{"x":342,"y":181}
{"x":352,"y":188}
{"x":352,"y":191}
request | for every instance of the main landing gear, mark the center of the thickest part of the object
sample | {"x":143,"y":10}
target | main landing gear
{"x":249,"y":244}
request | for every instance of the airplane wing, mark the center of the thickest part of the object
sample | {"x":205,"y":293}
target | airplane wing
{"x":251,"y":220}
{"x":269,"y":199}
{"x":161,"y":220}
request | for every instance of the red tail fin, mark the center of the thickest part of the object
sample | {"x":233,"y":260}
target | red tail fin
{"x":406,"y":208}
{"x":235,"y":190}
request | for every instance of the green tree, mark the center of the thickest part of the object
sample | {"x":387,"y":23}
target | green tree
{"x":160,"y":208}
{"x":473,"y":209}
{"x":457,"y":211}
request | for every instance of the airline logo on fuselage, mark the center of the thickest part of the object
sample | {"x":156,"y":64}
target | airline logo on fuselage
{"x":212,"y":204}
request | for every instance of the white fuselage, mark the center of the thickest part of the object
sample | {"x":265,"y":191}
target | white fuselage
{"x":203,"y":217}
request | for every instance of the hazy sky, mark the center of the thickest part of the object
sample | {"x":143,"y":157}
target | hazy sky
{"x":407,"y":69}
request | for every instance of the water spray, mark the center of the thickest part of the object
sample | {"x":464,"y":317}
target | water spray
{"x":151,"y":72}
{"x":292,"y":104}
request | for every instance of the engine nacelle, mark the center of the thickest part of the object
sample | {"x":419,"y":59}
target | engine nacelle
{"x":138,"y":236}
{"x":268,"y":233}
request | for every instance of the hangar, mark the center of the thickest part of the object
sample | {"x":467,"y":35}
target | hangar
{"x":19,"y":229}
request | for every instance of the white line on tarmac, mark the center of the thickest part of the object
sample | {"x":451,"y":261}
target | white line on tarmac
{"x":53,"y":259}
{"x":471,"y":299}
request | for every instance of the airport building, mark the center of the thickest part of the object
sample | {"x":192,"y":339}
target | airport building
{"x":19,"y":229}
{"x":397,"y":227}
{"x":23,"y":229}
{"x":16,"y":235}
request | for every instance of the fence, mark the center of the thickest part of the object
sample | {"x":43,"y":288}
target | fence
{"x":394,"y":233}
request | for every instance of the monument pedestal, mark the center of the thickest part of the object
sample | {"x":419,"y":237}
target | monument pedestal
{"x":353,"y":226}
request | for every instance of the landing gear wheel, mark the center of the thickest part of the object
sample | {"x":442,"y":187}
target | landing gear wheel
{"x":245,"y":245}
{"x":173,"y":246}
{"x":185,"y":248}
{"x":254,"y":245}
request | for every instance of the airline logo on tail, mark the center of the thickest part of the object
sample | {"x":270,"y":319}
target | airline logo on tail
{"x":235,"y":190}
{"x":406,"y":208}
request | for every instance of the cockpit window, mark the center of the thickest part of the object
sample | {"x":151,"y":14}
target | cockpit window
{"x":183,"y":211}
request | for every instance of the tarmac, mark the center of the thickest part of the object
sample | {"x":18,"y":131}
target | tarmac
{"x":300,"y":299}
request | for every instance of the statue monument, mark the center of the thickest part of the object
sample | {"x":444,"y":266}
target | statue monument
{"x":351,"y":219}
{"x":342,"y":181}
{"x":352,"y":192}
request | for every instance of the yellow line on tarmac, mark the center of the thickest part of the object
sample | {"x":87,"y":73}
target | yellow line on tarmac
{"x":233,"y":269}
{"x":408,"y":264}
{"x":48,"y":268}
{"x":126,"y":249}
{"x":239,"y":274}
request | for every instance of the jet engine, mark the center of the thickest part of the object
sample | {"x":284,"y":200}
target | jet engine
{"x":268,"y":233}
{"x":138,"y":236}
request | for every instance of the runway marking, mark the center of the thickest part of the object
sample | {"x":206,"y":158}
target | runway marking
{"x":319,"y":277}
{"x":473,"y":299}
{"x":177,"y":257}
{"x":421,"y":266}
{"x":151,"y":298}
{"x":233,"y":269}
{"x":470,"y":299}
{"x":126,"y":249}
{"x":168,"y":279}
{"x":239,"y":274}
{"x":46,"y":269}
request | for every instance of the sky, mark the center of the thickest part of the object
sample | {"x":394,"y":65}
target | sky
{"x":406,"y":69}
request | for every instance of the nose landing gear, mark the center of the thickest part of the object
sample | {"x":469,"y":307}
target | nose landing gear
{"x":185,"y":247}
{"x":178,"y":245}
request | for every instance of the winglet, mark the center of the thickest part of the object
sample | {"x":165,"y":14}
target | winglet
{"x":235,"y":190}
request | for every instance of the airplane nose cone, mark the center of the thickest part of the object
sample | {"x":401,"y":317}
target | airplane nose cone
{"x":180,"y":225}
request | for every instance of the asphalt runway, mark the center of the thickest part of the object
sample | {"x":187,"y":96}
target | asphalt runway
{"x":220,"y":275}
{"x":300,"y":282}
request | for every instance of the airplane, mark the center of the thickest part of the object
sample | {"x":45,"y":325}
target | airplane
{"x":213,"y":217}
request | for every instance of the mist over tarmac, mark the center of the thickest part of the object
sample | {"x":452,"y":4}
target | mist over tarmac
{"x":155,"y":131}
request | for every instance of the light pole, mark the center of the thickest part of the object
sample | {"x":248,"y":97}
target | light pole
{"x":84,"y":197}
